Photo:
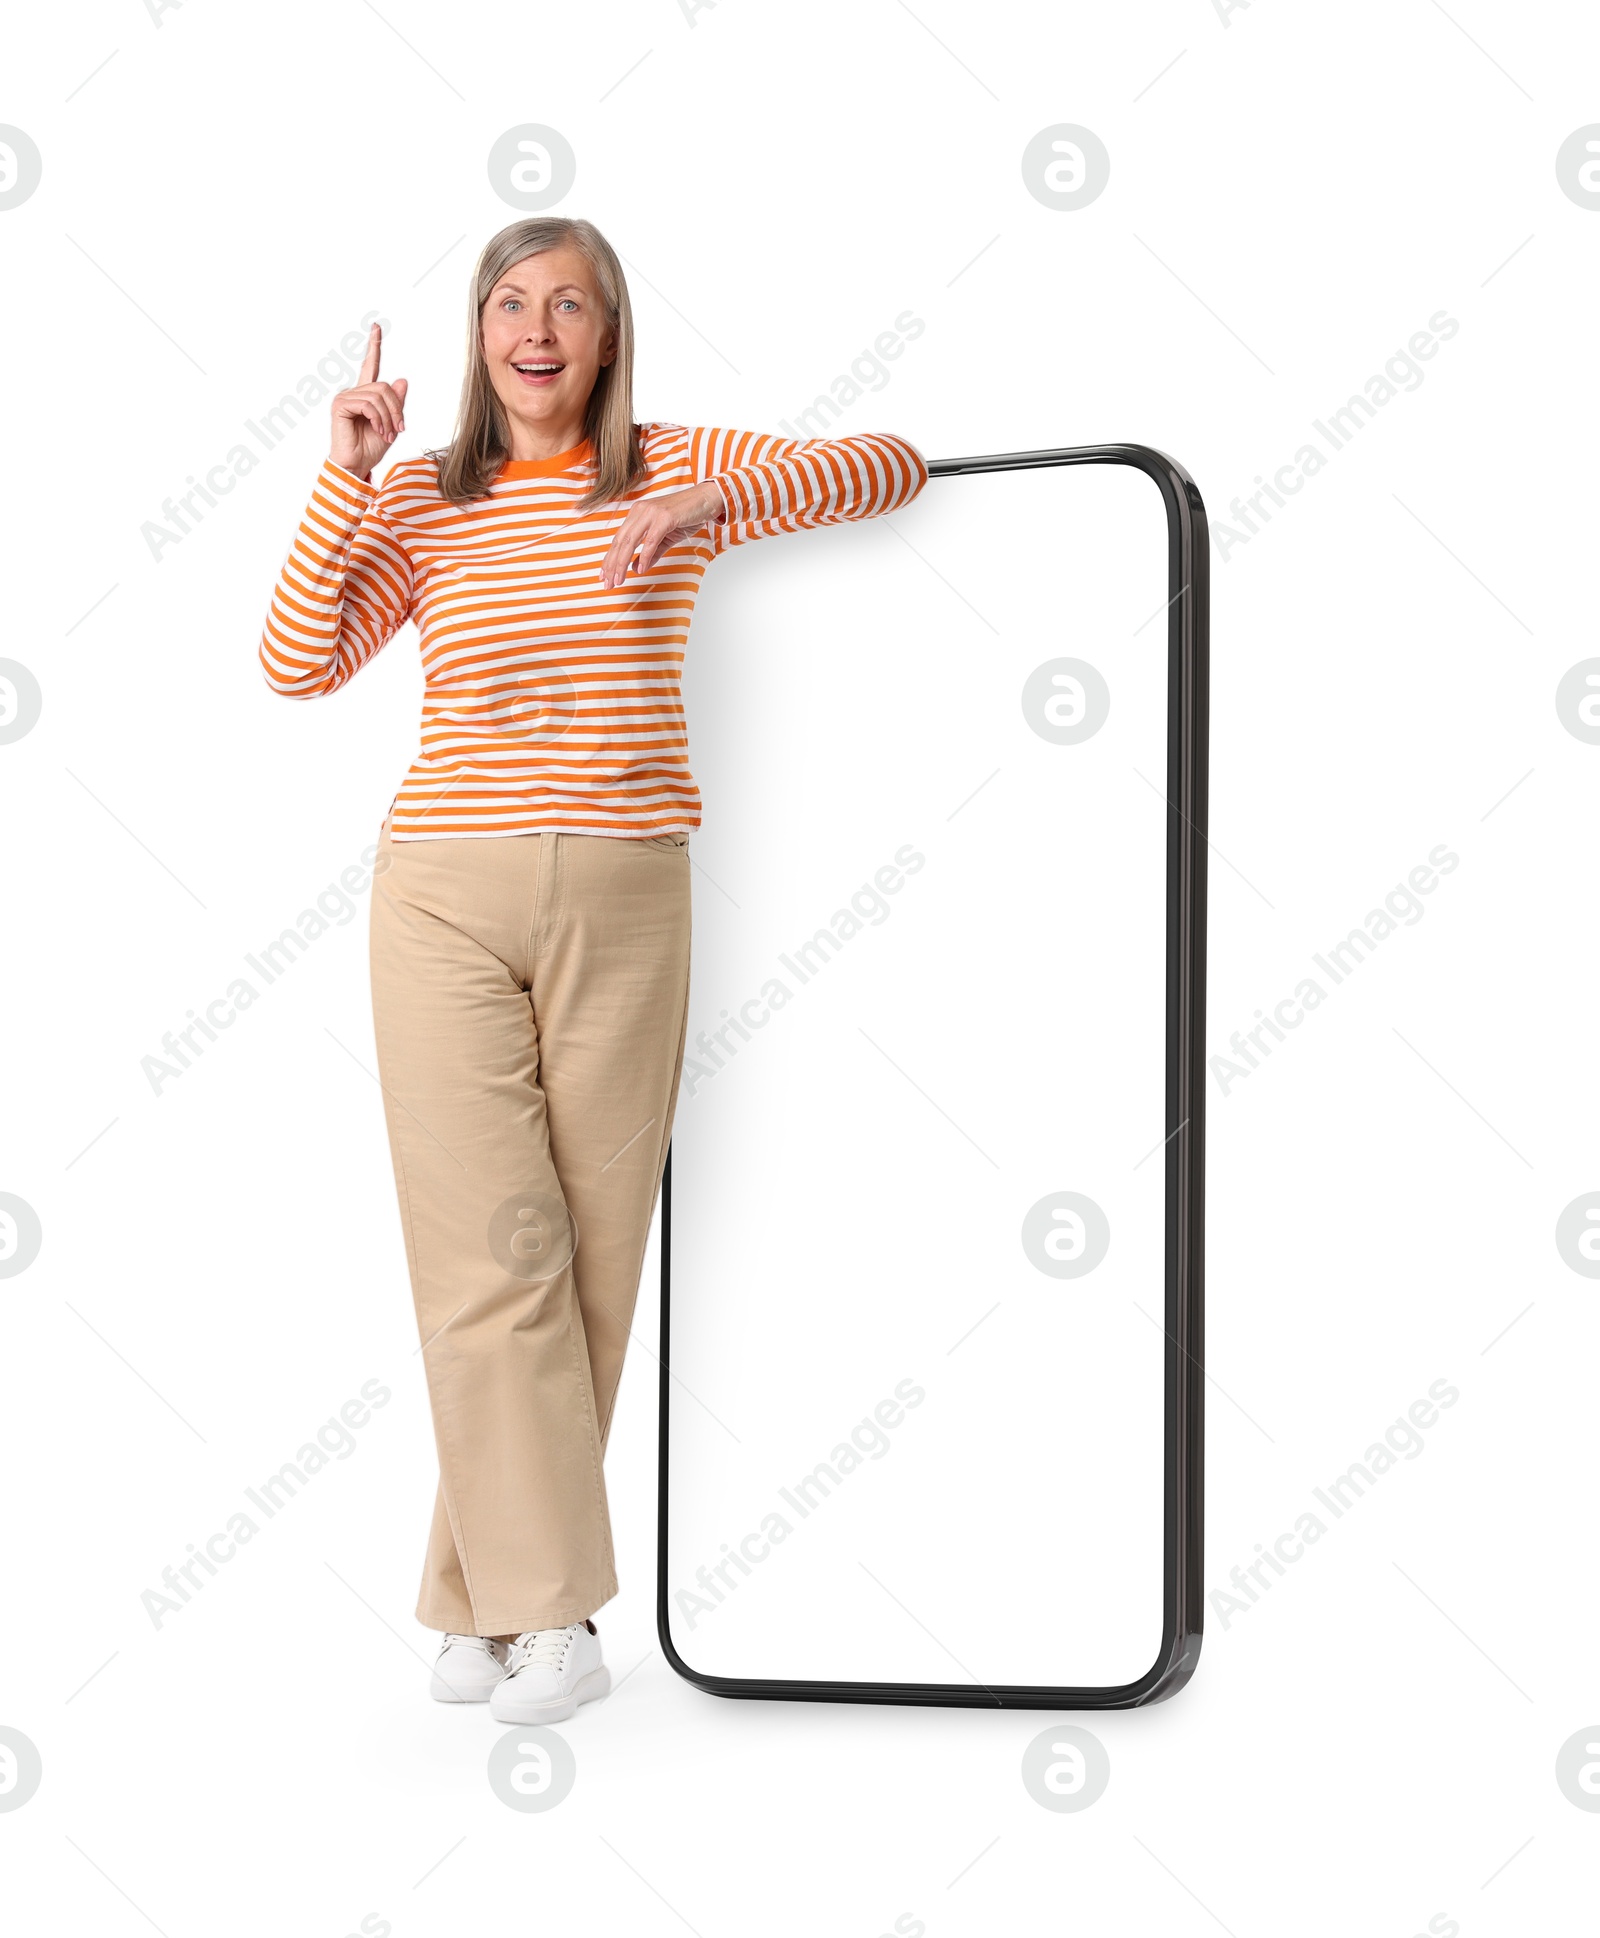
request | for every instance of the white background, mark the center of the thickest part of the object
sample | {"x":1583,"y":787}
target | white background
{"x":1293,"y":194}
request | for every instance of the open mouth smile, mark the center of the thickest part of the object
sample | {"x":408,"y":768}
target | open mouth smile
{"x":538,"y":373}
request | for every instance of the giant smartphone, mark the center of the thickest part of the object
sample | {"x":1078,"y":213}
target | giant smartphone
{"x":931,"y":1386}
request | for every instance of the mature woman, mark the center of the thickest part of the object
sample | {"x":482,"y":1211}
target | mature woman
{"x":530,"y":910}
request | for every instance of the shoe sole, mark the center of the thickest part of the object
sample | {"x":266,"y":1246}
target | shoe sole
{"x":590,"y":1688}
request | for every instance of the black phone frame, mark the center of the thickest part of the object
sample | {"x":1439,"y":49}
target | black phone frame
{"x":1188,"y":675}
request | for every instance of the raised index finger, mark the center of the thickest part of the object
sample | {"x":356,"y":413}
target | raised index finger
{"x":369,"y":363}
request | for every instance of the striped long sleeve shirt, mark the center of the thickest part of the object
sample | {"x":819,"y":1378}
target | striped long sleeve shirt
{"x":550,"y":701}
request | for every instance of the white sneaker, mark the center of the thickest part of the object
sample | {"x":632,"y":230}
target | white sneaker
{"x":468,"y":1667}
{"x":549,"y":1672}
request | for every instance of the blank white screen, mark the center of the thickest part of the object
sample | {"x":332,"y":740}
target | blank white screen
{"x":856,"y":1157}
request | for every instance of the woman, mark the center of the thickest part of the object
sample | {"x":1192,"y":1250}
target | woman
{"x":531,"y":908}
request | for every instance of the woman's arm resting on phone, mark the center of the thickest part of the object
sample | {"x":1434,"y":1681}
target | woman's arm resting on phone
{"x":779,"y":484}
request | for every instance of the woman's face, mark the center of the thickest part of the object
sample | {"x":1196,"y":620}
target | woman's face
{"x":546,"y":310}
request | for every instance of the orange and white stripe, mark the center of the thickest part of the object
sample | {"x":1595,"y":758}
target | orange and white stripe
{"x":550,"y":701}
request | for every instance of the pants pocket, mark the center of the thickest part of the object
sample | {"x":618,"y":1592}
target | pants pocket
{"x":666,"y":840}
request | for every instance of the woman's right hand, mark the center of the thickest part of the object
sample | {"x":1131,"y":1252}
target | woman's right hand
{"x":369,"y":416}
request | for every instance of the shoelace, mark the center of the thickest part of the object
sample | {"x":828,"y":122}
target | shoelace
{"x":469,"y":1641}
{"x":546,"y":1646}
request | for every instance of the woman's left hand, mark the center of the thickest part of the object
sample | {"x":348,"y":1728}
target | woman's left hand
{"x":653,"y":525}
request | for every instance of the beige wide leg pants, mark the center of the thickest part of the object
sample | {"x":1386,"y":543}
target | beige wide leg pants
{"x":530,"y":997}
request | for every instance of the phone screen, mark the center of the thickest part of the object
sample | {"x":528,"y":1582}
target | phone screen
{"x":930,"y":1355}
